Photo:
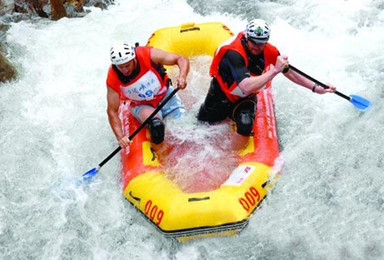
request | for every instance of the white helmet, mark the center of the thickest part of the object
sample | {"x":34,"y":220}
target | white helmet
{"x":122,"y":52}
{"x":257,"y":31}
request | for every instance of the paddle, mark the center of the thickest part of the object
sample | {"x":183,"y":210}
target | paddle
{"x":91,"y":173}
{"x":359,"y":102}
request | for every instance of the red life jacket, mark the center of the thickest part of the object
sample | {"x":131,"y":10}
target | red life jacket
{"x":233,"y":92}
{"x":147,"y":88}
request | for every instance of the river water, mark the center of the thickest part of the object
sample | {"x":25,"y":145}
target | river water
{"x":328,"y":203}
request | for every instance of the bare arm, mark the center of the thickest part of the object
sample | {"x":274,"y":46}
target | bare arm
{"x":303,"y":81}
{"x":113,"y":101}
{"x":165,"y":58}
{"x":254,"y":84}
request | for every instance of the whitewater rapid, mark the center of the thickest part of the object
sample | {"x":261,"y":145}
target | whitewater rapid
{"x":328,"y":203}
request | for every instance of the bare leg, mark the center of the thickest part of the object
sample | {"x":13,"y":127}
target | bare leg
{"x":145,"y":112}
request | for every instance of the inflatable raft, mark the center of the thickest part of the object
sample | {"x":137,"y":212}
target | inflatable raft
{"x":226,"y":210}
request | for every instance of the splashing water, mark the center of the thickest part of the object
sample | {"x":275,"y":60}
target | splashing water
{"x":328,"y":203}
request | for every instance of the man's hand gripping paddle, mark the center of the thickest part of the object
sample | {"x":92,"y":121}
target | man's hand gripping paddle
{"x":87,"y":177}
{"x":359,"y":102}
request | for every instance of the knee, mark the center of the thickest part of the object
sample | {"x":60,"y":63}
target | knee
{"x":204,"y":114}
{"x":212,"y":114}
{"x":244,"y":123}
{"x":156,"y":129}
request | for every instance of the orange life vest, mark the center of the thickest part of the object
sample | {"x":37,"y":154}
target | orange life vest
{"x":147,"y":88}
{"x":233,"y":92}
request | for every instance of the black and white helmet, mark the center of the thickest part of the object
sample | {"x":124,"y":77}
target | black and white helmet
{"x":122,"y":52}
{"x":257,"y":31}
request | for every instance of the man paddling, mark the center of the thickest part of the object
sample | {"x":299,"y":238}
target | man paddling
{"x":240,"y":69}
{"x":137,"y":74}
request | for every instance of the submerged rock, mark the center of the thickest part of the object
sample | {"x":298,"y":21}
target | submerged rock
{"x":52,"y":9}
{"x":6,"y":6}
{"x":7,"y":71}
{"x":16,"y":10}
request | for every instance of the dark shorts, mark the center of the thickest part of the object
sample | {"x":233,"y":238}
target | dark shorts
{"x":217,"y":107}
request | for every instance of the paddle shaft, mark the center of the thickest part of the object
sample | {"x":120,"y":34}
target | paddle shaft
{"x":162,"y":104}
{"x":318,"y":82}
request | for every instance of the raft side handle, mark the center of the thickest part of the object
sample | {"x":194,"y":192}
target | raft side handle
{"x":133,"y":197}
{"x":153,"y":154}
{"x":190,"y":29}
{"x":198,"y":199}
{"x":186,"y":27}
{"x":265,"y":184}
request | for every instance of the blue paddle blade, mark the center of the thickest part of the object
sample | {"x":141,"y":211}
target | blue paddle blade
{"x":89,"y":174}
{"x":360,"y":103}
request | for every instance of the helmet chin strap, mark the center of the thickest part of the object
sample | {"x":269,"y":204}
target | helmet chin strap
{"x":134,"y":63}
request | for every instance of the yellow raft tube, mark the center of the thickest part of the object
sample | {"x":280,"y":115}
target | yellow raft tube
{"x":226,"y":210}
